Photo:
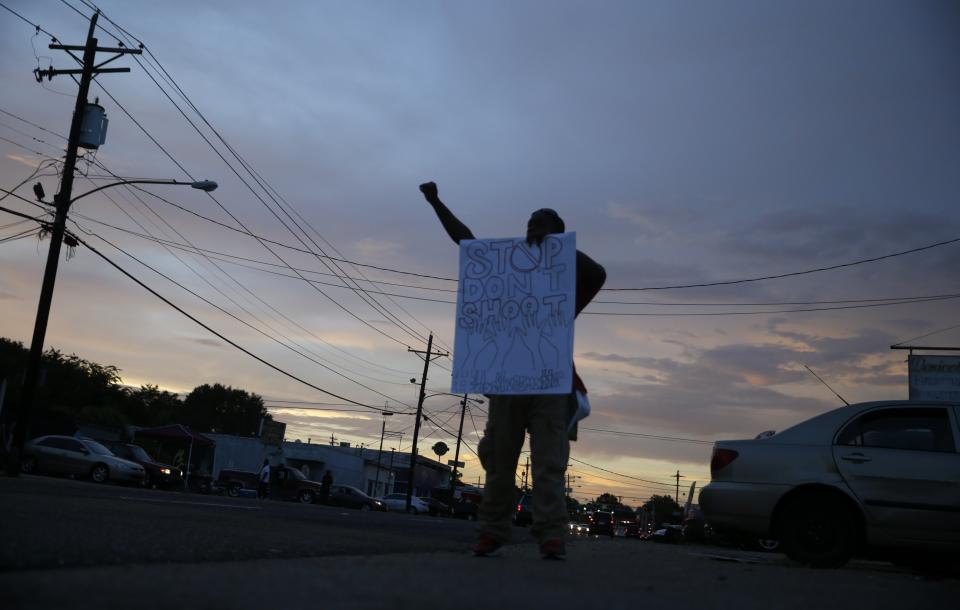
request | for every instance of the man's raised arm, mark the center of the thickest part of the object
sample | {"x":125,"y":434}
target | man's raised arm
{"x":455,"y":229}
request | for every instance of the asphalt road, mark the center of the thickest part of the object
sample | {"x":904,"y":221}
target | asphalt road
{"x":75,"y":544}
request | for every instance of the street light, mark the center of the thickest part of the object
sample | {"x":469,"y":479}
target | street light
{"x":202,"y":185}
{"x":62,"y":203}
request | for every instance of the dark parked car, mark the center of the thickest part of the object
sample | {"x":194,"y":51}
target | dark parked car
{"x":435,"y":507}
{"x":158,"y":475}
{"x":465,"y":509}
{"x":351,"y":497}
{"x":81,"y":457}
{"x":524,"y":514}
{"x":285,"y":483}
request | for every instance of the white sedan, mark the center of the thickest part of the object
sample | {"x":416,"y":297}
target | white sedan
{"x":883,"y":474}
{"x":398,"y":502}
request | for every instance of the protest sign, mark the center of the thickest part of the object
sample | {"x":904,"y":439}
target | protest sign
{"x":515,"y":312}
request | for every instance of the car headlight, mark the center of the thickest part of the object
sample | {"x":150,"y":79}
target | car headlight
{"x":164,"y":471}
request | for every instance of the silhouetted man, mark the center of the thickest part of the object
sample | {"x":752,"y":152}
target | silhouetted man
{"x":546,"y":416}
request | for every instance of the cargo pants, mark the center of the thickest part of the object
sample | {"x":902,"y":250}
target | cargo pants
{"x":546,"y":417}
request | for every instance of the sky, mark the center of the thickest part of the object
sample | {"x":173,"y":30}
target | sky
{"x":687,"y":142}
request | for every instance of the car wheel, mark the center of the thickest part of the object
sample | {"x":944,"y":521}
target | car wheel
{"x":100,"y":473}
{"x":818,"y":532}
{"x":28,"y":465}
{"x":233,"y":490}
{"x":364,"y":507}
{"x":306,"y":497}
{"x":768,"y":544}
{"x":414,"y":511}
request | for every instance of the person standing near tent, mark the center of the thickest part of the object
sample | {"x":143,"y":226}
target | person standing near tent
{"x":263,"y":489}
{"x":325,"y":484}
{"x":549,"y":418}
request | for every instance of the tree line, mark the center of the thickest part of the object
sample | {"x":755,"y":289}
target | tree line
{"x":72,"y":390}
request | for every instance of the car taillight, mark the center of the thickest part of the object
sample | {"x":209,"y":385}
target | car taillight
{"x":721,"y":459}
{"x":519,"y":507}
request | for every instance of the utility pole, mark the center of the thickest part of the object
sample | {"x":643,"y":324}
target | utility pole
{"x":526,"y":469}
{"x":677,"y":497}
{"x":427,"y":357}
{"x":383,"y":431}
{"x":62,"y":204}
{"x":456,"y":454}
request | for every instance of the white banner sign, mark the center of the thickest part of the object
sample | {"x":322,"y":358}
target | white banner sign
{"x":515,"y":311}
{"x":934,"y":377}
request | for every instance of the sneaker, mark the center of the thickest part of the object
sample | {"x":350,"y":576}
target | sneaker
{"x":553,"y":549}
{"x":486,"y":547}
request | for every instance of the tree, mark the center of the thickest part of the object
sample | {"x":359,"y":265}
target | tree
{"x":608,"y":499}
{"x":665,"y":508}
{"x":151,"y":406}
{"x":218,"y":408}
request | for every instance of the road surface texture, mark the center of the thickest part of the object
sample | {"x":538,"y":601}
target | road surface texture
{"x":73,"y":544}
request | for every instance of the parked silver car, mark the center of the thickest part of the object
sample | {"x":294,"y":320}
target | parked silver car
{"x":67,"y":455}
{"x":883,"y":474}
{"x":398,"y":503}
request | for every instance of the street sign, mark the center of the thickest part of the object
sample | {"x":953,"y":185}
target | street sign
{"x":440,"y":448}
{"x":457,"y":464}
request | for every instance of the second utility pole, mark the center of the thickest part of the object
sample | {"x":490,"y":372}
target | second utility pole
{"x":427,"y":357}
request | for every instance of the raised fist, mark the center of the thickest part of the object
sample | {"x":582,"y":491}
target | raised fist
{"x":429,"y":190}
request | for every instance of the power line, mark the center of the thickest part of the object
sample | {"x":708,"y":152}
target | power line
{"x":621,"y":483}
{"x":24,"y":19}
{"x":627,"y":476}
{"x":777,"y":311}
{"x":658,"y":437}
{"x":936,"y":332}
{"x":220,"y":335}
{"x":238,"y":283}
{"x":41,"y":128}
{"x":245,"y":323}
{"x":359,"y":291}
{"x":865,"y":303}
{"x":794,"y":273}
{"x":235,"y":219}
{"x":26,"y":148}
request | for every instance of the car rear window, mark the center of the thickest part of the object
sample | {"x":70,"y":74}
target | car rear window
{"x":926,"y":429}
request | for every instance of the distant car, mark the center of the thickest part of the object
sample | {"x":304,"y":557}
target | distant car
{"x":524,"y":513}
{"x":625,"y":523}
{"x":157,"y":475}
{"x":82,"y":457}
{"x":351,"y":497}
{"x":881,"y":474}
{"x":465,"y":509}
{"x":434,"y":506}
{"x":670,"y":533}
{"x":398,"y":503}
{"x":601,"y":523}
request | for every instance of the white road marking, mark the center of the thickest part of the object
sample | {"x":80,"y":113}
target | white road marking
{"x":191,"y":503}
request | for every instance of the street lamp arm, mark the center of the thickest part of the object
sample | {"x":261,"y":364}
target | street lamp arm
{"x":203,"y":185}
{"x":479,"y":401}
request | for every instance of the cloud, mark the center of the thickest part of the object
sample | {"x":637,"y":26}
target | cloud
{"x":25,"y":160}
